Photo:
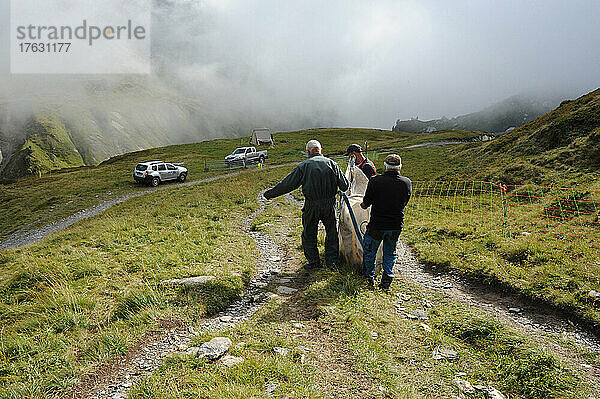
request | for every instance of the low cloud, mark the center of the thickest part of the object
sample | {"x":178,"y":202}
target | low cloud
{"x":299,"y":64}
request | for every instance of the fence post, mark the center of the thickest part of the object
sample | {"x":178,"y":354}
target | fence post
{"x":505,"y":210}
{"x":562,"y":217}
{"x":205,"y":165}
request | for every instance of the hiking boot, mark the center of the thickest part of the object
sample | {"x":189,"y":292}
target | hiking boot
{"x":312,"y":266}
{"x":386,"y":282}
{"x":370,"y":283}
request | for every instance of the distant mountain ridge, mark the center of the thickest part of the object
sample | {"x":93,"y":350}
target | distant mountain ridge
{"x":101,"y":119}
{"x":562,"y":145}
{"x":106,"y":120}
{"x":570,"y":133}
{"x":510,"y":113}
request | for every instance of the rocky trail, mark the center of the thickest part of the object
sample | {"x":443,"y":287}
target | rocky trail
{"x":149,"y":355}
{"x":506,"y":308}
{"x":523,"y":315}
{"x":545,"y":326}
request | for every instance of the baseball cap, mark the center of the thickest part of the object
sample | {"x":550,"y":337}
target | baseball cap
{"x":353,"y":148}
{"x":393,"y":160}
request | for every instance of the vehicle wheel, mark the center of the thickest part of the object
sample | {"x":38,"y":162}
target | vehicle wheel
{"x":182,"y":177}
{"x":155,"y":182}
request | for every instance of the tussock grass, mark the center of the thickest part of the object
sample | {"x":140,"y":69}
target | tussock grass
{"x":527,"y":266}
{"x":360,"y":346}
{"x":85,"y":295}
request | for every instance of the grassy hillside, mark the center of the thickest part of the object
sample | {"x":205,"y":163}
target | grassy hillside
{"x":38,"y":200}
{"x":48,"y":146}
{"x":85,"y":296}
{"x":563,"y":146}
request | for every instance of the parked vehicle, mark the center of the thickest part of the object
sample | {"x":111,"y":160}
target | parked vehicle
{"x":155,"y":172}
{"x":243,"y":156}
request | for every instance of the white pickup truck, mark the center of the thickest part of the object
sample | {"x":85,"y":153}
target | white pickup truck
{"x":243,"y":156}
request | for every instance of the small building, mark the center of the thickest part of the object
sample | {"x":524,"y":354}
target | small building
{"x":261,"y":136}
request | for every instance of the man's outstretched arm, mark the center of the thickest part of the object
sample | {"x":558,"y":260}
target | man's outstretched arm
{"x":288,"y":184}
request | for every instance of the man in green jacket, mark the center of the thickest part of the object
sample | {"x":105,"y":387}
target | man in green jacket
{"x":320,"y":178}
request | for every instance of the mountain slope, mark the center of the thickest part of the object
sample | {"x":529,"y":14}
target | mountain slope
{"x":572,"y":128}
{"x":512,"y":112}
{"x":102,"y":119}
{"x":48,"y":147}
{"x":561,"y":145}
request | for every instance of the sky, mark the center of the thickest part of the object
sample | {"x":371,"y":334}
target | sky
{"x":359,"y":63}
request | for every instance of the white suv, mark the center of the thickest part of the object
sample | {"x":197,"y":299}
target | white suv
{"x":156,"y":172}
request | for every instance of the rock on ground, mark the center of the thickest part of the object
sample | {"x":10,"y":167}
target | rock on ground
{"x":281,"y":351}
{"x":211,"y":350}
{"x":464,"y":387}
{"x":189,"y":281}
{"x":466,"y":390}
{"x":444,"y":352}
{"x":490,"y":392}
{"x":418,"y":314}
{"x":282,"y":289}
{"x":230,"y":361}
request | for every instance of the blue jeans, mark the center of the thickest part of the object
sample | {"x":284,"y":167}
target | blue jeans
{"x":371,"y":245}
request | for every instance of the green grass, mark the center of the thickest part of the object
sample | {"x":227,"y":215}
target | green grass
{"x":339,"y":329}
{"x":462,"y":235}
{"x":86,"y":294}
{"x":48,"y":147}
{"x":361,"y":346}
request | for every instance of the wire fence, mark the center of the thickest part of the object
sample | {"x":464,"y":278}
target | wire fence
{"x":563,"y":218}
{"x":567,"y":218}
{"x":220,"y":164}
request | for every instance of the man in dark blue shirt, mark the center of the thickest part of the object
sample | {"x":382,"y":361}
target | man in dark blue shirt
{"x":388,"y":194}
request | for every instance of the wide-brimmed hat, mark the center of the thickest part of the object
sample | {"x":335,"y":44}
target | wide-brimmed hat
{"x":353,"y":148}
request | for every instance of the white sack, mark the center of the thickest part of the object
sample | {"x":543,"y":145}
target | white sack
{"x":350,"y":248}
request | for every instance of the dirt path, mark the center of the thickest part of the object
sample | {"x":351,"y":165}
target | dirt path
{"x":451,"y":142}
{"x":508,"y":309}
{"x":528,"y":318}
{"x":146,"y":357}
{"x":26,"y":236}
{"x":149,"y":355}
